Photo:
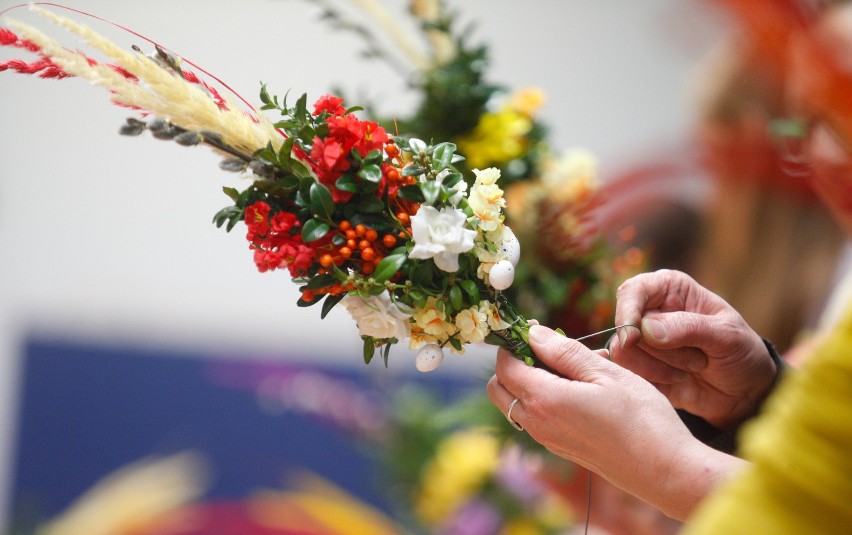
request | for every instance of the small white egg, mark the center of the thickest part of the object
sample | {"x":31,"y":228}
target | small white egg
{"x":511,"y":246}
{"x":502,"y":275}
{"x":429,"y":358}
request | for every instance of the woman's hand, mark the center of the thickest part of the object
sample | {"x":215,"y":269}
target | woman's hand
{"x":608,"y":420}
{"x":693,"y":346}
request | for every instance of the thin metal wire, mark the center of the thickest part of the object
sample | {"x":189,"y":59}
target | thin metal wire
{"x":607,"y":330}
{"x":589,"y":487}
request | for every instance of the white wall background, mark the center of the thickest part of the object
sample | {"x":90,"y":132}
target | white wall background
{"x":109,"y":238}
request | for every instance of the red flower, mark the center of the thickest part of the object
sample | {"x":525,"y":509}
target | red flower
{"x":266,"y":260}
{"x":257,"y":220}
{"x":330,"y":104}
{"x":299,"y":259}
{"x":373,"y":137}
{"x":282,"y":222}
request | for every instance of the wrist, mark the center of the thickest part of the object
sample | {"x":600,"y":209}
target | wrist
{"x":692,"y":475}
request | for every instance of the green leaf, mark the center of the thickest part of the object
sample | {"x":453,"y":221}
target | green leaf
{"x":352,"y":109}
{"x":321,"y":281}
{"x":370,"y":205}
{"x":313,"y":230}
{"x":233,"y":193}
{"x":302,"y":303}
{"x":456,"y":343}
{"x":322,"y":203}
{"x":456,"y":297}
{"x":412,"y":170}
{"x":443,"y":155}
{"x":227,"y":214}
{"x":370,"y":173}
{"x":431,"y":191}
{"x":388,"y":267}
{"x":471,"y":289}
{"x":411,"y":193}
{"x":369,"y":349}
{"x":386,"y":353}
{"x":347,"y":183}
{"x":329,"y":303}
{"x":452,"y":179}
{"x":301,"y":108}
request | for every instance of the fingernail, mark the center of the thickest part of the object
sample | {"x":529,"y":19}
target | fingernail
{"x":540,"y":334}
{"x":656,"y":329}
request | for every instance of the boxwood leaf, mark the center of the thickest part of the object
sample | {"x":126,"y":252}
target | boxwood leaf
{"x":388,"y":267}
{"x":322,"y":203}
{"x":313,"y":230}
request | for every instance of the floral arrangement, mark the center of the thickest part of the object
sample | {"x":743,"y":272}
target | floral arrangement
{"x":383,"y":225}
{"x":569,"y":267}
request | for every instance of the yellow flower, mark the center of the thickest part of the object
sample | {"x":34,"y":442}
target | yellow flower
{"x":497,"y":139}
{"x":486,"y":199}
{"x":432,"y":320}
{"x":461,"y":465}
{"x":472,"y":324}
{"x":571,"y":178}
{"x":527,"y":101}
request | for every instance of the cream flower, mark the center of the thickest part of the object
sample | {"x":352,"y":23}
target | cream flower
{"x":495,"y":322}
{"x":472,"y":324}
{"x":432,"y":321}
{"x":441,"y":236}
{"x":377,"y":316}
{"x":486,"y":199}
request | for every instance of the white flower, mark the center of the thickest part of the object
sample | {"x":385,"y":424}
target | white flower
{"x":377,"y":316}
{"x":441,"y":236}
{"x":486,"y":199}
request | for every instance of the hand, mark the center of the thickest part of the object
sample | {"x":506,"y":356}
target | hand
{"x":693,"y":346}
{"x":608,"y":420}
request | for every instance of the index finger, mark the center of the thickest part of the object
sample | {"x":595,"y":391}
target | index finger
{"x":636,"y":296}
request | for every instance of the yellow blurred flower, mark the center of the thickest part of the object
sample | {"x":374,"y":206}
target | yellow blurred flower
{"x":527,"y":101}
{"x":497,"y":139}
{"x":461,"y":464}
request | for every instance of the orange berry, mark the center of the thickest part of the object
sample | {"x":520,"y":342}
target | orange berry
{"x":360,"y":230}
{"x":367,"y":268}
{"x":337,"y":259}
{"x":393,"y":174}
{"x":392,"y":151}
{"x":345,"y":225}
{"x":345,"y":252}
{"x":403,"y":218}
{"x":364,"y":244}
{"x":350,"y":234}
{"x":308,"y":295}
{"x":368,"y":254}
{"x":389,"y":240}
{"x":371,"y":234}
{"x":351,"y":243}
{"x":326,"y":260}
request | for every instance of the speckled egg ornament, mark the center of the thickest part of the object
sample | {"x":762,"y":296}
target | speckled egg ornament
{"x":429,"y":358}
{"x":511,"y":247}
{"x":502,"y":275}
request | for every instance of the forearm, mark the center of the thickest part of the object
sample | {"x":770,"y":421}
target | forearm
{"x":691,"y":475}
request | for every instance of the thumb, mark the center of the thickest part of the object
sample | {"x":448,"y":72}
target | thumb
{"x":674,"y":330}
{"x":567,"y":356}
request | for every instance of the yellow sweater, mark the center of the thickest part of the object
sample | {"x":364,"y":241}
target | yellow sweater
{"x":800,"y":479}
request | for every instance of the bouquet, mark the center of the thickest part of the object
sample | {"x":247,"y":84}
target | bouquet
{"x":384,"y":225}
